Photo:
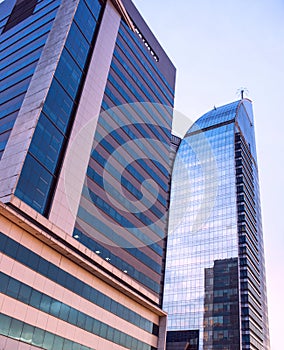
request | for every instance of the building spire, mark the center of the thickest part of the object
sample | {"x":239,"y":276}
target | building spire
{"x":242,"y":91}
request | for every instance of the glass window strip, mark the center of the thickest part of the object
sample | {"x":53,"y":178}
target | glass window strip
{"x":18,"y":76}
{"x":25,"y":294}
{"x":134,"y":77}
{"x":84,"y":215}
{"x":24,"y":28}
{"x":142,"y":75}
{"x":19,"y":63}
{"x":13,"y":328}
{"x":110,"y":211}
{"x":149,"y":97}
{"x":13,"y":106}
{"x":161,"y":133}
{"x":34,"y":261}
{"x":137,"y":96}
{"x":92,"y":174}
{"x":154,"y":172}
{"x":14,"y":91}
{"x":24,"y":51}
{"x":122,"y":31}
{"x":26,"y":41}
{"x":137,"y":109}
{"x":118,"y":262}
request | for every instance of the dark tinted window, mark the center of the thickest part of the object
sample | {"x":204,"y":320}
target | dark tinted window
{"x":46,"y":143}
{"x":33,"y":187}
{"x":85,"y":20}
{"x":77,"y":45}
{"x":22,"y":10}
{"x":68,"y":73}
{"x":58,"y":105}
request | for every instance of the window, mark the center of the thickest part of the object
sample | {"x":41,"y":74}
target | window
{"x":22,"y":10}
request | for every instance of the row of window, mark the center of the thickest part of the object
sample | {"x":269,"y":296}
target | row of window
{"x":21,"y":48}
{"x":144,"y":133}
{"x":93,"y":174}
{"x":218,"y":115}
{"x":145,"y":60}
{"x":224,"y":339}
{"x":14,"y":92}
{"x":248,"y":244}
{"x":120,"y":216}
{"x":127,"y":162}
{"x":249,"y":342}
{"x":100,"y":226}
{"x":114,"y":259}
{"x":25,"y":48}
{"x":24,"y":332}
{"x":18,"y":77}
{"x":131,"y":111}
{"x":250,"y":326}
{"x":66,"y":280}
{"x":155,"y":108}
{"x":21,"y":63}
{"x":41,"y":16}
{"x":64,"y":312}
{"x":146,"y":240}
{"x":112,"y":82}
{"x":11,"y":106}
{"x":120,"y":48}
{"x":54,"y":123}
{"x":7,"y":123}
{"x":129,"y":206}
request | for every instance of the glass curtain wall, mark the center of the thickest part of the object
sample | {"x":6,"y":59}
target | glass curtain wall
{"x":214,"y":269}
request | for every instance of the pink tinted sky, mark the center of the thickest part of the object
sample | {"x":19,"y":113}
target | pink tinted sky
{"x":218,"y":47}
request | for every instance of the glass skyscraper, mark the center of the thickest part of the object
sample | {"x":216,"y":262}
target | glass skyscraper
{"x":86,"y":98}
{"x":215,"y":289}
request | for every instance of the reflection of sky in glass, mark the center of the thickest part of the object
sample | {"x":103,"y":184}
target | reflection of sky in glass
{"x":192,"y":247}
{"x":218,"y":115}
{"x":203,"y":219}
{"x":203,"y":222}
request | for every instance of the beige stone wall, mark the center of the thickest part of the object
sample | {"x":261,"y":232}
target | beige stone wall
{"x":29,"y":236}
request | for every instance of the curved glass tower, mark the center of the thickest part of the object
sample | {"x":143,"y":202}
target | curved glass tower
{"x":215,"y":289}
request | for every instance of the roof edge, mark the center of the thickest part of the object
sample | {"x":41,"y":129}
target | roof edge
{"x":124,"y":14}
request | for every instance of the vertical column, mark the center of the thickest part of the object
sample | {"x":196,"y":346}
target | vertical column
{"x":162,"y":333}
{"x":68,"y":192}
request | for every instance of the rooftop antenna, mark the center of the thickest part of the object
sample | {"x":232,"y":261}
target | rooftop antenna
{"x":242,"y":92}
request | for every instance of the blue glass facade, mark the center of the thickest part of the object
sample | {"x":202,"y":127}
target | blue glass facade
{"x":134,"y":78}
{"x":215,"y":279}
{"x":21,"y":44}
{"x":43,"y":162}
{"x":63,"y":62}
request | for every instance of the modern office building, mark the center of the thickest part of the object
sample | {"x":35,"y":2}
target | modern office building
{"x":86,"y":99}
{"x":215,"y":289}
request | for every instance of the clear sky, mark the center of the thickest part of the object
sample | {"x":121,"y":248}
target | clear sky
{"x":218,"y":47}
